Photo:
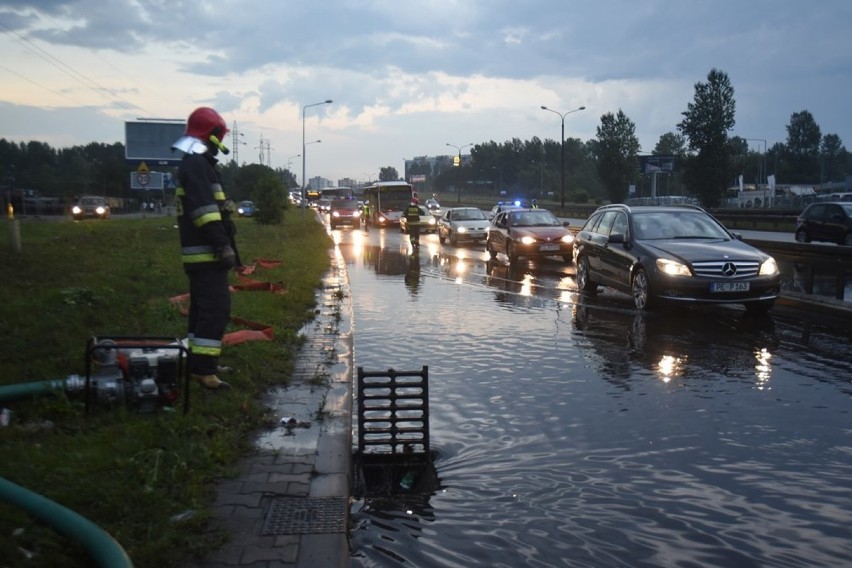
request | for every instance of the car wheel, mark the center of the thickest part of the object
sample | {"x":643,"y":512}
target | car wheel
{"x":802,"y":236}
{"x":511,"y":253}
{"x":491,"y":252}
{"x":641,"y":289}
{"x":584,"y":278}
{"x":453,"y":239}
{"x":333,"y":226}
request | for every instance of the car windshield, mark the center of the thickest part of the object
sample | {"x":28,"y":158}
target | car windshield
{"x":538,"y":218}
{"x":349,"y":204}
{"x":91,"y":201}
{"x":469,"y":215}
{"x":676,"y":225}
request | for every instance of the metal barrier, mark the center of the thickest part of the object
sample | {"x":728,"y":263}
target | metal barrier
{"x":814,"y":269}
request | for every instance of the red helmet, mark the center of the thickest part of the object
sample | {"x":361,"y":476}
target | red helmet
{"x":205,"y":121}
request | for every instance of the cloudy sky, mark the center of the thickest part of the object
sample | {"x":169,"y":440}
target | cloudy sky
{"x":408,"y":77}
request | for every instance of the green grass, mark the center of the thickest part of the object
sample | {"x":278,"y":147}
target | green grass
{"x":134,"y":474}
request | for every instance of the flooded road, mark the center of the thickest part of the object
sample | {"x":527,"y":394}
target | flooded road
{"x":574,"y":431}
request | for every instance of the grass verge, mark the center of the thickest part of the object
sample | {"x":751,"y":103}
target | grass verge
{"x":147,"y":479}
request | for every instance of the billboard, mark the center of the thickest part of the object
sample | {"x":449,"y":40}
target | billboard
{"x":150,"y":141}
{"x":656,"y":164}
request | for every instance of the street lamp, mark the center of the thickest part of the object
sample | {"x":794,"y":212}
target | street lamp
{"x":761,"y":166}
{"x":304,"y":108}
{"x":458,"y":189}
{"x":562,"y":148}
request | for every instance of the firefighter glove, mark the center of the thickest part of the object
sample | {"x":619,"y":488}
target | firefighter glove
{"x":227,"y":257}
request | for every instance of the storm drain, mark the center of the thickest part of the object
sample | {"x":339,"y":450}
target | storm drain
{"x":306,"y":515}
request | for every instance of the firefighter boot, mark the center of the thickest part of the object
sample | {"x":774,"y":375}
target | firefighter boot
{"x":211,"y":382}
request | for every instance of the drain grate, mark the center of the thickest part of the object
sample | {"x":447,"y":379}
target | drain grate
{"x":306,"y":515}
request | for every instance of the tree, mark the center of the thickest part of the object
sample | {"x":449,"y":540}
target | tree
{"x":616,"y":149}
{"x":833,"y":156}
{"x":388,"y":173}
{"x":706,"y":123}
{"x":803,"y":139}
{"x":270,"y":197}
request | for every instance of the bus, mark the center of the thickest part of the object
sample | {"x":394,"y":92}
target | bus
{"x":336,"y":193}
{"x":387,"y":201}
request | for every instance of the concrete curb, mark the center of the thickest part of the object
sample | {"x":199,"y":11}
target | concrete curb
{"x":307,"y":459}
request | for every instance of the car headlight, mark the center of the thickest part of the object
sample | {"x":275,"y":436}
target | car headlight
{"x":672,"y":267}
{"x":335,"y":214}
{"x":100,"y":210}
{"x":461,"y":230}
{"x":568,"y":239}
{"x":769,"y":267}
{"x":527,"y":240}
{"x":76,"y":210}
{"x":432,"y":221}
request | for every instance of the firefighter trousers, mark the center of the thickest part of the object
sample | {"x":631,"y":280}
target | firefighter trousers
{"x":209,"y":313}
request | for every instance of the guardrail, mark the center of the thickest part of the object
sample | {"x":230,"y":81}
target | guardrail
{"x":812,"y":269}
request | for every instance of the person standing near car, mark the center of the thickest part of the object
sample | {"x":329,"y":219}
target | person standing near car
{"x":208,"y":249}
{"x":412,"y":221}
{"x":365,"y":215}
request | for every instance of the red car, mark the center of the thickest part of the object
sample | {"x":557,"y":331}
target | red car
{"x":529,"y":233}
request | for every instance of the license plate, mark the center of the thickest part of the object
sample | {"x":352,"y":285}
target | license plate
{"x":548,"y":247}
{"x":729,"y":287}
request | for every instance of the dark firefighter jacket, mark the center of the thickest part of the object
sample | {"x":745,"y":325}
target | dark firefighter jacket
{"x":412,"y":215}
{"x":205,"y":226}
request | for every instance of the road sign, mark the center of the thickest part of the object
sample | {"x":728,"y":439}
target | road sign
{"x":143,"y":178}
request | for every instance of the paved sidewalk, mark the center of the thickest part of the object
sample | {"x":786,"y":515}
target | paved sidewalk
{"x":289,"y":505}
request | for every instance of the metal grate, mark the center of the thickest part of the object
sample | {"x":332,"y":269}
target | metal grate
{"x":306,"y":515}
{"x":393,"y":412}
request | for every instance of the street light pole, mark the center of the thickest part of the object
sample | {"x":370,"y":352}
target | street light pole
{"x":304,"y":108}
{"x":458,"y":176}
{"x":562,"y":150}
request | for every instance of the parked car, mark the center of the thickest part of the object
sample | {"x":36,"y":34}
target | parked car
{"x":528,"y":233}
{"x":344,"y":212}
{"x":428,"y":223}
{"x":246,"y":208}
{"x":90,"y":207}
{"x":831,"y":222}
{"x":462,"y":224}
{"x":672,"y":254}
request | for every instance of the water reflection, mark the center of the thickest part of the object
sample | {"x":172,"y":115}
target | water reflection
{"x":573,"y":431}
{"x":690,"y":344}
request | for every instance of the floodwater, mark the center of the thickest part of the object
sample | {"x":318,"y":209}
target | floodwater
{"x":576,"y":432}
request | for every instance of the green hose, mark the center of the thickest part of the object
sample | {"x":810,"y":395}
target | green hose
{"x":100,"y":545}
{"x":27,"y":390}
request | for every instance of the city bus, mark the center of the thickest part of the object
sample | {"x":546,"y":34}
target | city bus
{"x":387,"y":201}
{"x":336,"y":193}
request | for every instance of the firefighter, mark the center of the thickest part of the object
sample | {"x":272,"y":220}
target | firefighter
{"x":208,"y":249}
{"x":412,"y":221}
{"x":534,"y":204}
{"x":365,"y":215}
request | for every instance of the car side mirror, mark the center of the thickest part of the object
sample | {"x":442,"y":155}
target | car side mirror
{"x":616,"y":239}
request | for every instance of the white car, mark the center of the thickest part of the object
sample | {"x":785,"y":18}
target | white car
{"x":428,"y":223}
{"x":462,"y":224}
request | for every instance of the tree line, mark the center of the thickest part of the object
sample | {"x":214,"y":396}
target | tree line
{"x":707,"y":160}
